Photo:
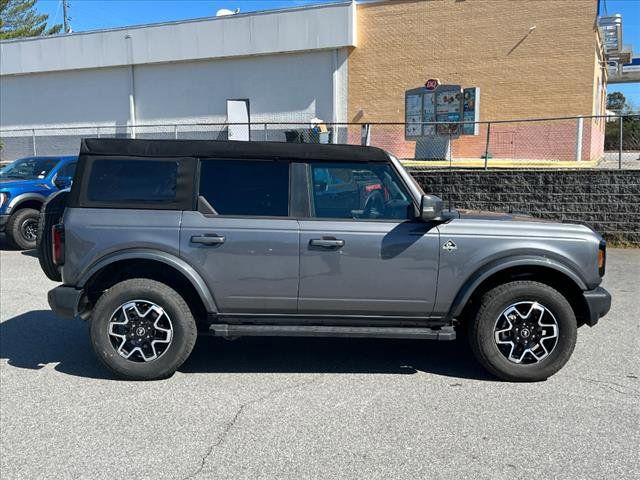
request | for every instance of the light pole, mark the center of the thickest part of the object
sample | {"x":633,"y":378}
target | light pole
{"x":65,"y":16}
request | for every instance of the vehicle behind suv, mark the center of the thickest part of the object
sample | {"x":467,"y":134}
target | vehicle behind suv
{"x":163,"y":240}
{"x":25,"y":185}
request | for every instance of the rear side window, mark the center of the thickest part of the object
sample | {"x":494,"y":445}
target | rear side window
{"x":133,"y":181}
{"x":246,"y":187}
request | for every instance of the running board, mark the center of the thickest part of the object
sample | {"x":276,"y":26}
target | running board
{"x":226,"y":330}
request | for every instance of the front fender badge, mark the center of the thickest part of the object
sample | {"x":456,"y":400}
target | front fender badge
{"x":449,"y":246}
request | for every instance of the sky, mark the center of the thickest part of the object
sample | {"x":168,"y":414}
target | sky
{"x":630,"y":11}
{"x":96,"y":14}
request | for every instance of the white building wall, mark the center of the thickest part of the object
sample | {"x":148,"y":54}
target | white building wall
{"x":290,"y":64}
{"x":281,"y":88}
{"x":59,"y":99}
{"x":286,"y":88}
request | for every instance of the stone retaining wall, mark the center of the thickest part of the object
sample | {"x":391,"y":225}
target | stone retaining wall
{"x":608,"y":200}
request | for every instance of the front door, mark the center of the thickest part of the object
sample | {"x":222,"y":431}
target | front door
{"x":242,"y":240}
{"x":362,"y":252}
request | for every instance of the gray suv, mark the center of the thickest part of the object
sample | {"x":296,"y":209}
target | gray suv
{"x":159,"y":241}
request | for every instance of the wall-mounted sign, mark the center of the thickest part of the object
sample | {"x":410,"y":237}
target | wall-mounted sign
{"x":447,"y":103}
{"x":432,"y":84}
{"x":413,"y":113}
{"x":428,"y":113}
{"x":471,"y":110}
{"x":448,"y":109}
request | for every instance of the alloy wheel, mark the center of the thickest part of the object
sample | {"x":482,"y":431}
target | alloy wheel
{"x":29,"y":229}
{"x":140,"y":331}
{"x":526,"y":332}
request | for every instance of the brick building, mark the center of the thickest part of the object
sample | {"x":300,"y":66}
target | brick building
{"x":341,"y":62}
{"x":553,"y":70}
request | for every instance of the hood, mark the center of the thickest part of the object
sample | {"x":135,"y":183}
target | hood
{"x":487,"y":215}
{"x":14,"y":182}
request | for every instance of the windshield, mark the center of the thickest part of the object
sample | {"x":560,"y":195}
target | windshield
{"x":28,"y":168}
{"x":407,"y":176}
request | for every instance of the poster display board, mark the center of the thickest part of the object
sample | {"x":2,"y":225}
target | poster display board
{"x":419,"y":109}
{"x":448,"y":109}
{"x":471,"y":110}
{"x":429,"y":113}
{"x":413,"y":113}
{"x":445,"y":103}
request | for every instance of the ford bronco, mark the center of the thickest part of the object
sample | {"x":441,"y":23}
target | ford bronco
{"x":160,"y":240}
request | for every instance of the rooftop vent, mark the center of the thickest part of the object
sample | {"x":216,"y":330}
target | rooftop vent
{"x":223,"y":12}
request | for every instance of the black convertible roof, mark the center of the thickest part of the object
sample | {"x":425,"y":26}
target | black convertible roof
{"x":230,"y":149}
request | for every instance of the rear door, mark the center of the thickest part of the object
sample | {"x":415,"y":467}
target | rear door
{"x":242,"y":239}
{"x":361,"y":251}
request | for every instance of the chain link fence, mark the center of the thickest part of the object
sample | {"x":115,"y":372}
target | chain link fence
{"x":596,"y":141}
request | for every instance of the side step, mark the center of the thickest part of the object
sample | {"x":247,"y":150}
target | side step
{"x":226,"y":330}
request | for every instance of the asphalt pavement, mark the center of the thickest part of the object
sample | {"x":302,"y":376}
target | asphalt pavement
{"x":313,"y":408}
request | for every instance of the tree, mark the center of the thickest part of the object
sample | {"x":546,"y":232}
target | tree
{"x":19,"y":18}
{"x":616,"y":101}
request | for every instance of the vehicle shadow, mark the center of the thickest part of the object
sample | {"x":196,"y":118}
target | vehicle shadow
{"x":37,"y":338}
{"x":5,"y":246}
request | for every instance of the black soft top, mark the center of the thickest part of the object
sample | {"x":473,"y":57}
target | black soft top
{"x":230,"y":149}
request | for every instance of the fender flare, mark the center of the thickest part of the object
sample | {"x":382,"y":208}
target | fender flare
{"x":22,"y":198}
{"x":496,"y":266}
{"x":159,"y":256}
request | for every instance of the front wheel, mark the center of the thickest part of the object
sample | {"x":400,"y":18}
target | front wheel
{"x":142,"y":329}
{"x":22,"y":228}
{"x":524,"y":331}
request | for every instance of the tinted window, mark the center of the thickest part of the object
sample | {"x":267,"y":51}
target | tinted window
{"x":29,"y":168}
{"x":127,"y":181}
{"x":359,"y":191}
{"x":246,"y":187}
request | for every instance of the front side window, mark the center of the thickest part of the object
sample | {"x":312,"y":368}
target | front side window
{"x":246,"y":187}
{"x":28,"y":168}
{"x":367,"y":191}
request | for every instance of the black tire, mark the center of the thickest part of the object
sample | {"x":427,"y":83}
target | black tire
{"x":184,"y":329}
{"x":494,"y":303}
{"x":22,"y":227}
{"x":50,"y":215}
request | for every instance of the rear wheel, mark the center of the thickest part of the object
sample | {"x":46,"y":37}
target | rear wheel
{"x":22,"y":228}
{"x":524,"y":331}
{"x":142,"y":329}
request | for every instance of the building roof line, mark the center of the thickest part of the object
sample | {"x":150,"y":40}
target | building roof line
{"x":178,"y":22}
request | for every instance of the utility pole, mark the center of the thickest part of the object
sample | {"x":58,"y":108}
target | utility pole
{"x":65,"y":15}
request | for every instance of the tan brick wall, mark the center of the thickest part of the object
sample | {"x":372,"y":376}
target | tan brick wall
{"x":548,"y":72}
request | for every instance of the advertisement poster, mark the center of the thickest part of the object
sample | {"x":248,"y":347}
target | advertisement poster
{"x":429,"y":113}
{"x":471,"y":110}
{"x":413,"y":113}
{"x":449,"y":109}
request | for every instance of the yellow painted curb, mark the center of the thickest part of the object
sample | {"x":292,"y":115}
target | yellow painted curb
{"x":500,"y":163}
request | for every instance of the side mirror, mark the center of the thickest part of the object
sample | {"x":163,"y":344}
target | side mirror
{"x":430,"y":208}
{"x":62,"y":182}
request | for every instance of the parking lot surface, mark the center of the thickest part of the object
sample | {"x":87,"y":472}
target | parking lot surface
{"x":313,"y":408}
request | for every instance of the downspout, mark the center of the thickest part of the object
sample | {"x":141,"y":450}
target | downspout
{"x":132,"y":94}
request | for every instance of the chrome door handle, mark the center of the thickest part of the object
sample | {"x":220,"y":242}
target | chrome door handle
{"x":208,"y":239}
{"x":326,"y":243}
